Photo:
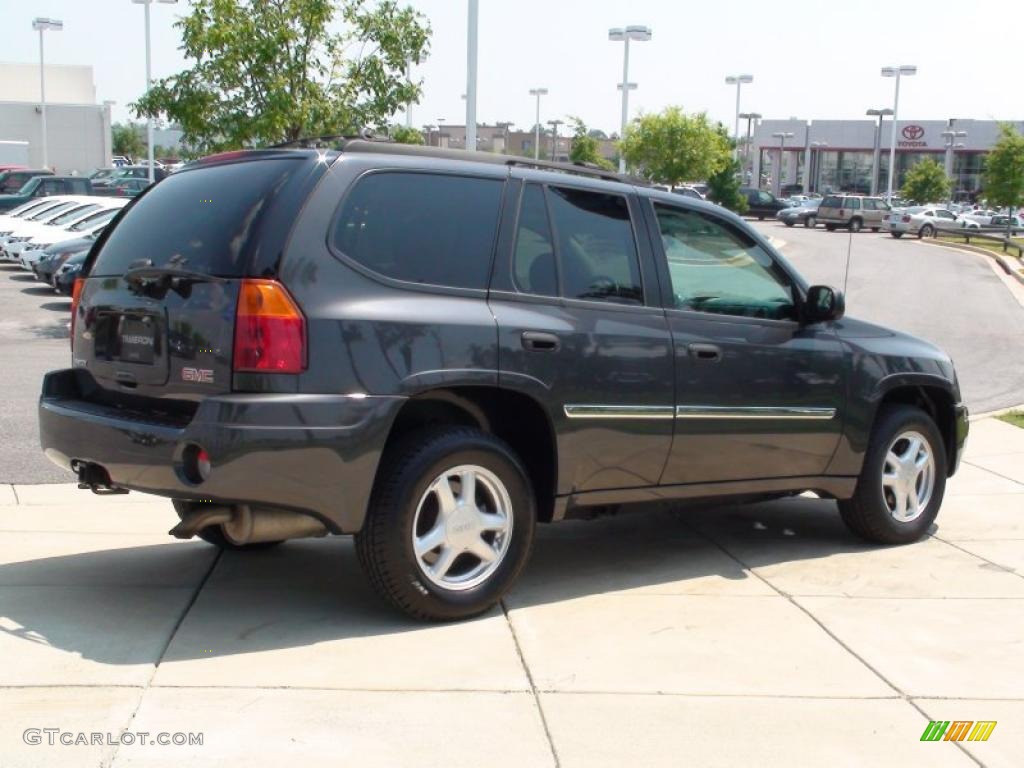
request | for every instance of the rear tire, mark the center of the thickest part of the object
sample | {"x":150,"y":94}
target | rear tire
{"x":926,"y":231}
{"x":214,"y":535}
{"x":412,"y":499}
{"x":875,"y":512}
{"x":856,"y":225}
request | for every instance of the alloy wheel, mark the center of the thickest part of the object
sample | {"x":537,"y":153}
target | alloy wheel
{"x":908,"y":476}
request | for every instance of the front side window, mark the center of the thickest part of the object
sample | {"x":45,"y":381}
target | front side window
{"x":596,"y":248}
{"x":854,"y":203}
{"x":718,"y":269}
{"x":421,"y":227}
{"x":533,"y":261}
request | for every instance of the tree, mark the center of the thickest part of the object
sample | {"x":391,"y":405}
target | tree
{"x":724,"y":185}
{"x":266,"y":71}
{"x":403,"y":135}
{"x":126,"y":140}
{"x":673,"y":147}
{"x":1004,"y":172}
{"x":585,"y":147}
{"x":926,"y":182}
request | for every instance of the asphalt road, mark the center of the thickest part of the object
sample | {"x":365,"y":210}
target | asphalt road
{"x":952,"y":299}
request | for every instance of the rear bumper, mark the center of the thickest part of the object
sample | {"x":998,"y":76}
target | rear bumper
{"x":311,"y":453}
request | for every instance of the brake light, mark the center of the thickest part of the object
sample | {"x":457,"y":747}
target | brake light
{"x":76,"y":292}
{"x":270,"y":331}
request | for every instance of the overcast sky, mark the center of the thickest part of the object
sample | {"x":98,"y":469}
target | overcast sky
{"x":809,"y":60}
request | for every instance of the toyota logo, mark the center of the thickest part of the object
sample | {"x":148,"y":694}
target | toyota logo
{"x":913,"y":132}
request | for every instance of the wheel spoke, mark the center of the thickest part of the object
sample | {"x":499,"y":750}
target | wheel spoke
{"x":467,"y":493}
{"x":900,"y":495}
{"x":482,"y":550}
{"x":892,"y":461}
{"x":889,"y":480}
{"x":913,"y":449}
{"x":444,"y":561}
{"x":432,"y":539}
{"x":490,"y":522}
{"x":445,"y":497}
{"x":922,"y":460}
{"x":912,"y":502}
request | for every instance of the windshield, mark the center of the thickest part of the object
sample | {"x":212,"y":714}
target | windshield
{"x":92,"y":220}
{"x":72,"y":214}
{"x":29,"y":186}
{"x":25,"y":208}
{"x":52,"y":211}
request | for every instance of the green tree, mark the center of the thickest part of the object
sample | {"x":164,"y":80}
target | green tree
{"x":724,"y":184}
{"x":265,"y":71}
{"x":126,"y":140}
{"x":585,"y":147}
{"x":1004,"y":172}
{"x":404,"y":135}
{"x":673,"y":147}
{"x":926,"y":182}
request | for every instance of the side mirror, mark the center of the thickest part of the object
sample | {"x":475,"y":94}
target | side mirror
{"x":823,"y":304}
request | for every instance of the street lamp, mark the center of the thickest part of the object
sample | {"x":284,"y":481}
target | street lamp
{"x":815,"y":176}
{"x":440,"y":128}
{"x":951,"y":136}
{"x":42,"y":25}
{"x":618,"y":34}
{"x":538,"y":92}
{"x":879,"y":113}
{"x":749,"y":117}
{"x":781,"y":136}
{"x":897,"y":72}
{"x":554,"y":137}
{"x":149,"y":81}
{"x":474,"y":12}
{"x":738,"y":81}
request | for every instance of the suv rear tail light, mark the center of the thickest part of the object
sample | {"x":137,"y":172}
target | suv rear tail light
{"x":270,"y":331}
{"x":76,"y":292}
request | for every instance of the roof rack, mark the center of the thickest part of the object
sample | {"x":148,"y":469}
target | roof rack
{"x":314,"y":142}
{"x":418,"y":150}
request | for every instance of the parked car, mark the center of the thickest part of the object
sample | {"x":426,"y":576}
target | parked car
{"x":921,"y":220}
{"x":74,"y":223}
{"x":435,"y":351}
{"x":761,"y":204}
{"x":131,"y":172}
{"x":68,"y":272}
{"x":1015,"y":222}
{"x":853,"y":212}
{"x":57,"y":254}
{"x":13,"y":180}
{"x":24,"y":228}
{"x":127,"y":187}
{"x":688,"y":192}
{"x":806,"y":213}
{"x":46,"y":186}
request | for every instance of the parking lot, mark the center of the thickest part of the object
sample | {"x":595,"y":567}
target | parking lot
{"x":632,"y":639}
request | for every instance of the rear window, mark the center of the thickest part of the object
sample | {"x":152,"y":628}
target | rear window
{"x":832,"y":201}
{"x":206,"y":217}
{"x":421,"y":227}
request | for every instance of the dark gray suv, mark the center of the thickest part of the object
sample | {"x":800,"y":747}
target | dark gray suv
{"x":436,"y":350}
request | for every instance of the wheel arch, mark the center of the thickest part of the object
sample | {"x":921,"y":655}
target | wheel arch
{"x":932,"y":395}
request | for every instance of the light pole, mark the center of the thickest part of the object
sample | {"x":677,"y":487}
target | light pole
{"x":474,"y":12}
{"x":738,"y":81}
{"x":440,"y":129}
{"x":781,"y":136}
{"x":951,"y":136}
{"x":816,"y":147}
{"x":554,"y":137}
{"x":538,"y":92}
{"x":42,"y":25}
{"x":749,"y":117}
{"x":897,"y":72}
{"x":430,"y":134}
{"x":879,"y":113}
{"x":618,"y":34}
{"x":149,"y":81}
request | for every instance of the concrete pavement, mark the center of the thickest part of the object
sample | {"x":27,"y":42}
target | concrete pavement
{"x":762,"y":635}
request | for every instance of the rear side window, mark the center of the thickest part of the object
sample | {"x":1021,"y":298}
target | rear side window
{"x":205,"y":217}
{"x":421,"y":227}
{"x":832,"y":201}
{"x":596,"y":248}
{"x":533,"y":264}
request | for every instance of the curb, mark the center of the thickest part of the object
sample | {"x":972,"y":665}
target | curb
{"x":1008,"y":265}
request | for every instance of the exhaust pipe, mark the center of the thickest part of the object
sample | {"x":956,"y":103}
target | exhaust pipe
{"x":243,"y":524}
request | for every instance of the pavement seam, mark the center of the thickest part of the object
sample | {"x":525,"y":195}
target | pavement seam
{"x":902,"y":694}
{"x":163,"y":651}
{"x":992,"y":472}
{"x":14,"y":490}
{"x":533,"y":685}
{"x":1000,"y":566}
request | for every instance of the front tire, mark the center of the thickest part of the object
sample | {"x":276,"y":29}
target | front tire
{"x":926,"y":231}
{"x":811,"y":222}
{"x":450,"y":524}
{"x":856,"y":225}
{"x":902,"y":481}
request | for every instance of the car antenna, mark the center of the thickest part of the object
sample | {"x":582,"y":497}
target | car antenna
{"x":849,"y":249}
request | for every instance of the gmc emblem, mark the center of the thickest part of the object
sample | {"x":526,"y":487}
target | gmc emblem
{"x":198,"y":375}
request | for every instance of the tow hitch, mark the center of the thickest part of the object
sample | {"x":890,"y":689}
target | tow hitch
{"x":95,"y":478}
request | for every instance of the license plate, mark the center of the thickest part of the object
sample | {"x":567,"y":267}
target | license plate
{"x":136,"y":340}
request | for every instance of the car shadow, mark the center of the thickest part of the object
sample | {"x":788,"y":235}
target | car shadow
{"x":57,"y":306}
{"x":312,"y":591}
{"x":38,"y":290}
{"x":23,"y":278}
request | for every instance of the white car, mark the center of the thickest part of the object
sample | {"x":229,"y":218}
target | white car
{"x":53,"y":220}
{"x":70,"y":225}
{"x":920,"y":220}
{"x":18,"y":216}
{"x":22,"y":230}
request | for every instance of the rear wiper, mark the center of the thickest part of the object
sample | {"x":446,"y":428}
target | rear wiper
{"x":156,"y":281}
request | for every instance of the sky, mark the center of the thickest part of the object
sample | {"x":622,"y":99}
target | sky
{"x":809,"y":60}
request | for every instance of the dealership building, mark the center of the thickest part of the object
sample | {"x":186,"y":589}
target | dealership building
{"x":77,"y":128}
{"x":839,"y":155}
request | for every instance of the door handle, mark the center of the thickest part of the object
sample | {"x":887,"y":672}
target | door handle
{"x":707,"y":352}
{"x":540,"y":342}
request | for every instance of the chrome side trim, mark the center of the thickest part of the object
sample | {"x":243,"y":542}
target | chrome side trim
{"x":619,"y":411}
{"x":753,"y":412}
